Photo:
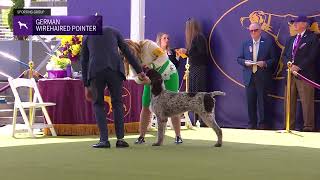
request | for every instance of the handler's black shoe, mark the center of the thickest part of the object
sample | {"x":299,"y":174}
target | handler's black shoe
{"x":121,"y":144}
{"x":140,"y":140}
{"x":102,"y":144}
{"x":178,"y":140}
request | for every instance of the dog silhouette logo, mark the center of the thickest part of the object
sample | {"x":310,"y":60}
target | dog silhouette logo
{"x":22,"y":25}
{"x":126,"y":98}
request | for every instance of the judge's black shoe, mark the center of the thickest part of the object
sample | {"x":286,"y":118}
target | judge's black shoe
{"x":140,"y":140}
{"x":178,"y":140}
{"x":102,"y":144}
{"x":121,"y":144}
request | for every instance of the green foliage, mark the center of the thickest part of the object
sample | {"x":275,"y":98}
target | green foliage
{"x":59,"y":63}
{"x":4,"y":13}
{"x":16,"y":5}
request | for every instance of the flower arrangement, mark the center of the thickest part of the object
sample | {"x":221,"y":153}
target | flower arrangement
{"x":68,"y":52}
{"x":70,"y":47}
{"x":59,"y":65}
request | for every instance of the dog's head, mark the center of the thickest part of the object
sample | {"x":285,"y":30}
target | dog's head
{"x":156,"y":81}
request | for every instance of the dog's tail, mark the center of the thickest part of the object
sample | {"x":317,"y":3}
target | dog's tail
{"x":217,"y":93}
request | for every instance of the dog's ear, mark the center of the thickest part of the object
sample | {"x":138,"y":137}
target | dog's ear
{"x":154,"y":76}
{"x":145,"y":69}
{"x":156,"y":81}
{"x":156,"y":87}
{"x":149,"y":72}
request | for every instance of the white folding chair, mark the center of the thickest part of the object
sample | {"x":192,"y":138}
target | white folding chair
{"x":32,"y":106}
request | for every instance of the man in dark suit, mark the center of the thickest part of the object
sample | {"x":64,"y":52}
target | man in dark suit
{"x":102,"y":66}
{"x":301,"y":50}
{"x":257,"y":56}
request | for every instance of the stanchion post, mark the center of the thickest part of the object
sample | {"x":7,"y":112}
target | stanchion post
{"x":186,"y":75}
{"x":288,"y":98}
{"x":186,"y":78}
{"x":31,"y":91}
{"x":31,"y":65}
{"x":287,"y":102}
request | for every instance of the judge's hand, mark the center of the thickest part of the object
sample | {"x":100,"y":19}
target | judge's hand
{"x":88,"y":94}
{"x":295,"y":73}
{"x":294,"y":69}
{"x":261,"y":64}
{"x":247,"y":63}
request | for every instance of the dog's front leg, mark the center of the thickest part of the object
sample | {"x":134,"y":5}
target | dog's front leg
{"x":161,"y":130}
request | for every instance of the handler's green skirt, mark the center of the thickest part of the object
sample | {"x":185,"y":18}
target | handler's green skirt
{"x":171,"y":84}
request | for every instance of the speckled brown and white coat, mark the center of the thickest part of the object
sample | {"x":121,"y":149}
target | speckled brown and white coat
{"x":167,"y":104}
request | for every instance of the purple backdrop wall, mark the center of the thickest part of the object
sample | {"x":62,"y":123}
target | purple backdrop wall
{"x":115,"y":13}
{"x":225,"y":39}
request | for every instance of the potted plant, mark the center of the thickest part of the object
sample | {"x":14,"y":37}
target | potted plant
{"x":58,"y":67}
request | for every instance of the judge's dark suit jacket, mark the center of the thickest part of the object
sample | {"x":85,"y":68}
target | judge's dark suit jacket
{"x":306,"y":54}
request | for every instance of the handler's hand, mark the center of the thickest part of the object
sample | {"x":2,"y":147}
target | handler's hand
{"x":143,"y":78}
{"x":88,"y":93}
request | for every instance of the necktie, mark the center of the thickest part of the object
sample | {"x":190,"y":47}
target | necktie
{"x":255,"y":56}
{"x":295,"y":45}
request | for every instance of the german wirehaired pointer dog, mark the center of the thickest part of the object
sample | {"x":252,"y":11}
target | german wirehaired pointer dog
{"x":167,"y":104}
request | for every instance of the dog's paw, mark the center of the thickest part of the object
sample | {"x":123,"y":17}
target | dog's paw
{"x":218,"y":145}
{"x":156,"y":144}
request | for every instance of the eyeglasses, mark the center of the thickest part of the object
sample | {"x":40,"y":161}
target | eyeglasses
{"x":254,"y":30}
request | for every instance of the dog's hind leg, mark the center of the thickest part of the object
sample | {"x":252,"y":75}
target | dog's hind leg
{"x":161,"y":131}
{"x":210,"y":121}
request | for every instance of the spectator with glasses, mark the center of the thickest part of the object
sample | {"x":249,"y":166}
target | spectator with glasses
{"x":257,"y":56}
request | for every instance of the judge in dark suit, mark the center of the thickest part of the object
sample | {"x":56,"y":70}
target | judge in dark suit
{"x":301,"y":50}
{"x":257,"y":56}
{"x":102,"y":66}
